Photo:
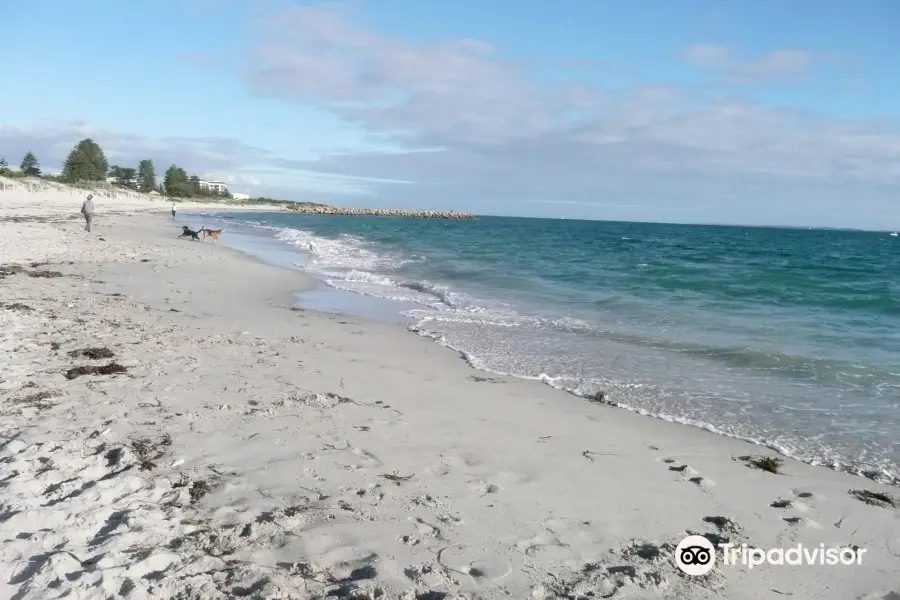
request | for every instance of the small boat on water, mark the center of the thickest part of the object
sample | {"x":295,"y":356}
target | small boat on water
{"x":893,"y":234}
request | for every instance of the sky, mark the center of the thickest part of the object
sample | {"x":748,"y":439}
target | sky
{"x":704,"y":111}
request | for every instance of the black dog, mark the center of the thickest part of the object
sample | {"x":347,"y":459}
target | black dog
{"x":195,"y":235}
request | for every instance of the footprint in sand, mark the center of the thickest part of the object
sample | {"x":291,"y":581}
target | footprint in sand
{"x":427,"y":530}
{"x":881,"y":595}
{"x":482,"y":488}
{"x":808,"y":496}
{"x":426,"y":575}
{"x":690,"y":474}
{"x":547,"y":544}
{"x":436,"y":509}
{"x":480,"y":567}
{"x":802,"y":522}
{"x":461,"y":460}
{"x":800,"y":501}
{"x":438,"y":470}
{"x":794,"y":526}
{"x":797,"y":505}
{"x":367,"y":459}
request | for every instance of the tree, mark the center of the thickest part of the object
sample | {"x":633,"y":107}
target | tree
{"x":177,"y":183}
{"x":128,"y":176}
{"x":146,"y":176}
{"x":4,"y":167}
{"x":124,"y":176}
{"x":86,"y":162}
{"x":30,"y":165}
{"x":196,"y":190}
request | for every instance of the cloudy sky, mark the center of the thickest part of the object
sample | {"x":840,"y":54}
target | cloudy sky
{"x":739,"y":111}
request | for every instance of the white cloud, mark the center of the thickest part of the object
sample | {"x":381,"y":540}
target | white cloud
{"x":475,"y":131}
{"x":501,"y":135}
{"x":580,"y":203}
{"x":707,"y":55}
{"x":490,"y":119}
{"x":246,"y":168}
{"x":780,"y":65}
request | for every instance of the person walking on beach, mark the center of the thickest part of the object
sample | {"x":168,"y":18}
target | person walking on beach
{"x":87,"y":210}
{"x":173,"y":211}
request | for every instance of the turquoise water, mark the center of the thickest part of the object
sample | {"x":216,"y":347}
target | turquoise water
{"x":785,"y":337}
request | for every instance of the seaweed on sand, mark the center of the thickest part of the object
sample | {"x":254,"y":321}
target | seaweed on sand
{"x":396,"y":479}
{"x":45,"y":274}
{"x":7,"y":270}
{"x":92,"y":353}
{"x":17,"y":306}
{"x":768,"y":464}
{"x":148,"y":451}
{"x":112,"y":368}
{"x":875,"y":498}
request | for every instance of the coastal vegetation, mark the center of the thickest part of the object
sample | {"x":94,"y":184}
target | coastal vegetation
{"x":86,"y":167}
{"x":146,"y":176}
{"x":86,"y":162}
{"x":30,"y":166}
{"x":177,"y":183}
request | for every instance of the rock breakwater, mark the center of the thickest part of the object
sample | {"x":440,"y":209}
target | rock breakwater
{"x":379,"y":212}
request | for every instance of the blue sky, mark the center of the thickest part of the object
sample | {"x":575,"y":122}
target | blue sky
{"x":705,"y":111}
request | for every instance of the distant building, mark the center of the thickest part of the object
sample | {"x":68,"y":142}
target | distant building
{"x":133,"y":182}
{"x":239,"y":196}
{"x":219,"y":187}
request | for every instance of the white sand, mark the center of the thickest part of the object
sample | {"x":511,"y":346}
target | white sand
{"x":349,"y":459}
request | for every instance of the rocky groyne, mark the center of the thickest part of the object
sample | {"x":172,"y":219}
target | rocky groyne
{"x":379,"y":212}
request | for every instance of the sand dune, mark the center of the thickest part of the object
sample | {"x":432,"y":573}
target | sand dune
{"x":234,"y":447}
{"x":40,"y":198}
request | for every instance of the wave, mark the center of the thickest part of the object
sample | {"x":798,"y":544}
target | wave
{"x":883,"y":471}
{"x":354,"y":264}
{"x":351,"y":264}
{"x":424,"y":293}
{"x":347,"y":260}
{"x":878,"y":381}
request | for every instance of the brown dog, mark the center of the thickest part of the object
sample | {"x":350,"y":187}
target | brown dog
{"x":213,"y":233}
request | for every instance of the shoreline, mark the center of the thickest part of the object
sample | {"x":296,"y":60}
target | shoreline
{"x":409,"y":325}
{"x":330,"y":453}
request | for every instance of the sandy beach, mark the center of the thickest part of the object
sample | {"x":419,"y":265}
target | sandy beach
{"x":173,"y":428}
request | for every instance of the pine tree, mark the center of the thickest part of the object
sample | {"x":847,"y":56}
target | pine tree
{"x":196,"y":190}
{"x":127,"y":176}
{"x":86,"y":162}
{"x":177,"y":182}
{"x":30,"y":165}
{"x":146,"y":176}
{"x":4,"y":167}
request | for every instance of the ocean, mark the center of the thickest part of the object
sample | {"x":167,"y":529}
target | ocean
{"x":789,"y":338}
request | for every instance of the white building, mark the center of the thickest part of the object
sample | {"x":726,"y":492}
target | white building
{"x":115,"y":181}
{"x":240,"y":196}
{"x":220,"y":187}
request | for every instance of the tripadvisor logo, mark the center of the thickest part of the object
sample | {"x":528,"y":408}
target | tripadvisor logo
{"x":696,"y":555}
